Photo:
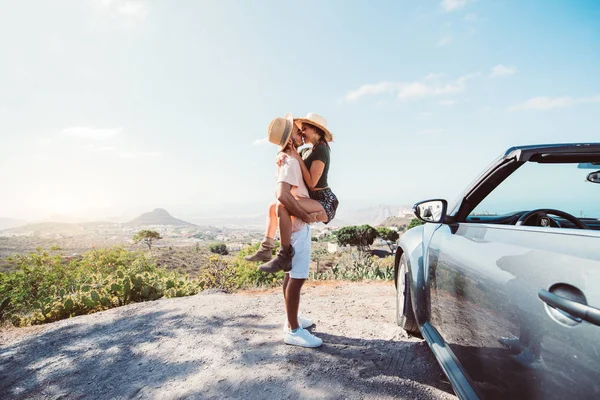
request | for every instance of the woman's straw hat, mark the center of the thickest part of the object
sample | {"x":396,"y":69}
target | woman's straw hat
{"x":280,"y":130}
{"x":318,"y":121}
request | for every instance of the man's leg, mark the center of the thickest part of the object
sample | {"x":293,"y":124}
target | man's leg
{"x":296,"y":334}
{"x":292,"y":301}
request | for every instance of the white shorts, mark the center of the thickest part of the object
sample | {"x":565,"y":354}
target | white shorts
{"x":301,"y":241}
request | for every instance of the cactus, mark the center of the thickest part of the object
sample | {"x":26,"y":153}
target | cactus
{"x":68,"y":304}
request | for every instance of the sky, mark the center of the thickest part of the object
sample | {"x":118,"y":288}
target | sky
{"x":114,"y":107}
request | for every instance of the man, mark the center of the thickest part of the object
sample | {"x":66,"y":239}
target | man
{"x":290,"y":185}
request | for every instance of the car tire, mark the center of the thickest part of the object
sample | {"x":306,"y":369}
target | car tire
{"x":405,"y":317}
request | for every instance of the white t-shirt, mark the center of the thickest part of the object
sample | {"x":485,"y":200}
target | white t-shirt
{"x":290,"y":172}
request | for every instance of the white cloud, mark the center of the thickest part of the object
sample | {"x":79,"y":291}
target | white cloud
{"x":444,"y":41}
{"x":429,"y":132}
{"x":129,"y":12}
{"x":135,"y":9}
{"x":548,"y":103}
{"x":378,"y":88}
{"x":452,"y":5}
{"x":430,"y":86}
{"x":502,"y":70}
{"x":434,"y":77}
{"x":447,"y":102}
{"x":471,"y":17}
{"x":87,"y":132}
{"x":259,"y":142}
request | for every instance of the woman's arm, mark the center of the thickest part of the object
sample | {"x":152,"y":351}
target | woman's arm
{"x":311,"y":177}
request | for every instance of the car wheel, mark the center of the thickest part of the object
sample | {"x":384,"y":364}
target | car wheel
{"x":405,"y":316}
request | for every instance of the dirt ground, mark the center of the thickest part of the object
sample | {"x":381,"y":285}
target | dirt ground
{"x":217,"y":345}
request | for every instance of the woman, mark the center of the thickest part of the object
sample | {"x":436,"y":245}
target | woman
{"x":314,"y":163}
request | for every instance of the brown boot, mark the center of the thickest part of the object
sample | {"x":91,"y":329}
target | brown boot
{"x":281,"y":262}
{"x":263,"y":254}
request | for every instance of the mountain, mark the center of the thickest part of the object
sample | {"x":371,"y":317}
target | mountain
{"x":159,"y":216}
{"x":7,"y":223}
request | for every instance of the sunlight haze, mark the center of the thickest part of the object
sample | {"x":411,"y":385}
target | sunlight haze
{"x":109,"y":108}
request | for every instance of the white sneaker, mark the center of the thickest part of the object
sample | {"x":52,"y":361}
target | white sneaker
{"x":303,"y":322}
{"x":302,"y":338}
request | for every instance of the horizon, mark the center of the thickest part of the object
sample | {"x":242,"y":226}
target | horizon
{"x":112,"y":108}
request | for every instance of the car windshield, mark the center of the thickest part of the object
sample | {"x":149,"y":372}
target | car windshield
{"x":558,"y":186}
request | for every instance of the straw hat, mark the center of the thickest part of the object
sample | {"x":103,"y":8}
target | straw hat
{"x":280,"y":130}
{"x":318,"y":121}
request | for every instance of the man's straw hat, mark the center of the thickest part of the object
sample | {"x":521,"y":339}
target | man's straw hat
{"x":280,"y":130}
{"x":318,"y":121}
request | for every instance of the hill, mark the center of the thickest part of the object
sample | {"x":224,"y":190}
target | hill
{"x":396,"y":221}
{"x":372,"y":215}
{"x":159,"y":216}
{"x":62,"y":228}
{"x":7,"y":223}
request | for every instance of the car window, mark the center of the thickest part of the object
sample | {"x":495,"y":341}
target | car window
{"x":558,"y":186}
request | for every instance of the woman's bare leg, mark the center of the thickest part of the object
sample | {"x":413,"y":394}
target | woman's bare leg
{"x":312,"y":206}
{"x":285,"y":225}
{"x":268,"y":243}
{"x":271,"y":221}
{"x":285,"y":220}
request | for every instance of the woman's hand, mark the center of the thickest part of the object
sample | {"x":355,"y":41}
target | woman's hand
{"x":313,"y":217}
{"x":296,"y":155}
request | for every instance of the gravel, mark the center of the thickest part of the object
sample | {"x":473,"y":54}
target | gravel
{"x":218,"y":345}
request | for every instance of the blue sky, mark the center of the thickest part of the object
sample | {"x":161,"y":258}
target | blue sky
{"x":118,"y":106}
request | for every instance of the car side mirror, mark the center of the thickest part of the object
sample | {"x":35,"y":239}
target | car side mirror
{"x":594,"y":177}
{"x":431,"y":210}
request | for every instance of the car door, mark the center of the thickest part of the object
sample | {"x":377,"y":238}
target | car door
{"x":489,"y":287}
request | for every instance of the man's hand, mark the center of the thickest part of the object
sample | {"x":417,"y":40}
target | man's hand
{"x":284,"y":195}
{"x":280,"y":159}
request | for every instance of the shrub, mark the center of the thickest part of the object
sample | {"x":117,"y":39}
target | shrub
{"x":414,"y":222}
{"x":359,"y":267}
{"x":218,"y":274}
{"x":48,"y":288}
{"x":248,"y":274}
{"x":219,"y":248}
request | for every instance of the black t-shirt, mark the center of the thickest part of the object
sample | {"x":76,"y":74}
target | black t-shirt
{"x":319,"y":152}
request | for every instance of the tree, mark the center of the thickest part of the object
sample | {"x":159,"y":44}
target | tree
{"x":415,"y":222}
{"x":389,"y":235}
{"x":147,"y":236}
{"x":360,"y":236}
{"x":219,"y":248}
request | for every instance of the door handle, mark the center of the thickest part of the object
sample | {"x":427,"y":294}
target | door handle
{"x":585,"y":312}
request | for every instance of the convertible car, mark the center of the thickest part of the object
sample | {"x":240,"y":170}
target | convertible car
{"x":504,"y":284}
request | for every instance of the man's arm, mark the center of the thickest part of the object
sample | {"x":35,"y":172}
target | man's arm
{"x":285,"y":197}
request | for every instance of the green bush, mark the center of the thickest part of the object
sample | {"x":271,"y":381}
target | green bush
{"x":218,"y":274}
{"x":414,"y":222}
{"x":48,"y":288}
{"x":248,"y":274}
{"x":359,"y":267}
{"x":219,"y":248}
